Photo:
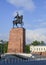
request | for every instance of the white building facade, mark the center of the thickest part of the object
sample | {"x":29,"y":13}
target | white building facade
{"x":36,"y":49}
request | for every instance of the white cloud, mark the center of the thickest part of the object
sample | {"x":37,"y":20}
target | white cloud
{"x":39,"y":23}
{"x":38,"y":34}
{"x":31,"y":35}
{"x":25,"y":4}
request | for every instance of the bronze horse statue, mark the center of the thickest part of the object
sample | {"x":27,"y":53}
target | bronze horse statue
{"x":18,"y":20}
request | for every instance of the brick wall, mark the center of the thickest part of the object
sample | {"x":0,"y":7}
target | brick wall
{"x":17,"y":40}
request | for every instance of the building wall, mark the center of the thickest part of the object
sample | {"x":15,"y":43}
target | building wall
{"x":37,"y":49}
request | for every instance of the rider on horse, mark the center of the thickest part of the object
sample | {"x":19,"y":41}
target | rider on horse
{"x":18,"y":20}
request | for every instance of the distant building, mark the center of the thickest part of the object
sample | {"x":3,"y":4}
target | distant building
{"x":38,"y":49}
{"x":1,"y":42}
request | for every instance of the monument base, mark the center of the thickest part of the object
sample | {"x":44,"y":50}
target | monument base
{"x":17,"y":40}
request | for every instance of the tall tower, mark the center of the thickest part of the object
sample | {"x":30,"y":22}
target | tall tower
{"x":17,"y":37}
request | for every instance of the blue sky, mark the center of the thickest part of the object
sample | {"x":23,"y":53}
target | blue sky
{"x":34,"y":18}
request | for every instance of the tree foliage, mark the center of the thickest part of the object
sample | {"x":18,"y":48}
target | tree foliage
{"x":27,"y":49}
{"x":3,"y":47}
{"x":37,"y":42}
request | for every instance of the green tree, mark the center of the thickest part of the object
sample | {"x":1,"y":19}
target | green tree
{"x":27,"y":49}
{"x":5,"y":47}
{"x":35,"y":42}
{"x":1,"y":40}
{"x":0,"y":48}
{"x":42,"y":43}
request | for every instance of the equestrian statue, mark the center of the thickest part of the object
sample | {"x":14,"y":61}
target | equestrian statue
{"x":18,"y":20}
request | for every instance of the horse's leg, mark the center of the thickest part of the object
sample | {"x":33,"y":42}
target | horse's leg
{"x":22,"y":24}
{"x":16,"y":25}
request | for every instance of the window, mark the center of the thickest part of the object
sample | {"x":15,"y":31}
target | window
{"x":44,"y":48}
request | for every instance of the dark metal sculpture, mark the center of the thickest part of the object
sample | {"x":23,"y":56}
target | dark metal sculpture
{"x":18,"y":20}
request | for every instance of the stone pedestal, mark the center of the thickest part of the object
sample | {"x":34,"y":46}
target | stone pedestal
{"x":17,"y":40}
